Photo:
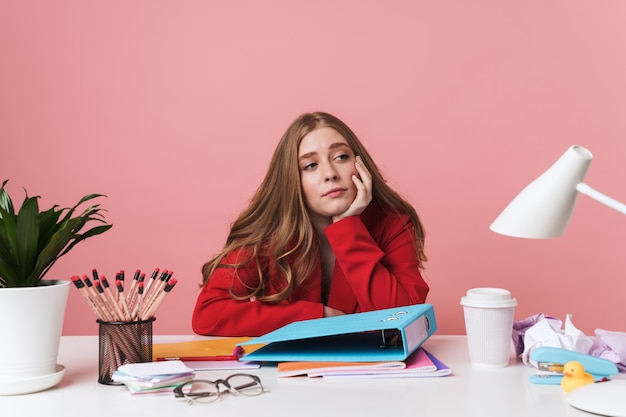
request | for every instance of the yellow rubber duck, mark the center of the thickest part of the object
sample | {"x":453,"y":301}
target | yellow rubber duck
{"x":574,"y":376}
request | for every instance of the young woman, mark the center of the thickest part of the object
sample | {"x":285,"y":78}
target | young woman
{"x":324,"y":235}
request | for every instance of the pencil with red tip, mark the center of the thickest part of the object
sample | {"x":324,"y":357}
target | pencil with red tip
{"x":139,"y":303}
{"x":107,"y":290}
{"x":85,"y":294}
{"x":153,"y":277}
{"x":133,"y":284}
{"x":110,"y":309}
{"x":95,"y":296}
{"x":112,"y":299}
{"x":116,"y":293}
{"x":150,"y":309}
{"x":158,"y":287}
{"x":132,"y":300}
{"x":120,"y":276}
{"x":122,"y":300}
{"x":154,"y":286}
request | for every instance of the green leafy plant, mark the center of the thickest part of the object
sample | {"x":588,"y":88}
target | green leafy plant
{"x":31,"y":241}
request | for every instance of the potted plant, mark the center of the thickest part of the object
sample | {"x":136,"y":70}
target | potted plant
{"x":32,"y":307}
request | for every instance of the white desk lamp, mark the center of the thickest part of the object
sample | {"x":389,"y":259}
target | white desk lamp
{"x":543,"y":210}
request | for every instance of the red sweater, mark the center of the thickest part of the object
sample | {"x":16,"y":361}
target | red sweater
{"x":375,"y":268}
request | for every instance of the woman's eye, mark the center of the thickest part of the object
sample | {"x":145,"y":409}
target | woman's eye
{"x":343,"y":157}
{"x":309,"y":166}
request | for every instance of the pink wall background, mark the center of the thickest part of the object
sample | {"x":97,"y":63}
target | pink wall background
{"x":173,"y":109}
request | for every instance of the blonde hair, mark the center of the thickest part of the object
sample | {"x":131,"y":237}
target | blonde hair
{"x":275,"y":230}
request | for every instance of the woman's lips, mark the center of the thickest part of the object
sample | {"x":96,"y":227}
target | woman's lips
{"x":335,"y":192}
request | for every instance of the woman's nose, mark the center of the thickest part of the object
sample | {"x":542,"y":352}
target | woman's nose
{"x":331,"y":174}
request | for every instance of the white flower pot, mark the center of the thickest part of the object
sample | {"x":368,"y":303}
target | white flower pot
{"x":31,"y":321}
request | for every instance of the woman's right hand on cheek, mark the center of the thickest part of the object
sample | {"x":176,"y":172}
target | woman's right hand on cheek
{"x":363,"y":197}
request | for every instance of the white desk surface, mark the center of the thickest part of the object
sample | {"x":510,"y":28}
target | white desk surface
{"x":469,"y":391}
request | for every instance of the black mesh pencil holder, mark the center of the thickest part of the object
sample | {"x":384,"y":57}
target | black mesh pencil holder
{"x":122,"y":343}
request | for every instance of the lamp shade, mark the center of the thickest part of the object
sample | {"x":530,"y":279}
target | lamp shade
{"x":543,"y":209}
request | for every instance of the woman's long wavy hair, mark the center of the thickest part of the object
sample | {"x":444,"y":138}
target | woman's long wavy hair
{"x":276,"y":231}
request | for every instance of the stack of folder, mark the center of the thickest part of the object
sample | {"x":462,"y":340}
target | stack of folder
{"x":381,"y":343}
{"x":376,"y":344}
{"x":420,"y":364}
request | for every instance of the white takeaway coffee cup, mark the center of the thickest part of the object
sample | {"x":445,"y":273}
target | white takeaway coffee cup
{"x":489,"y":325}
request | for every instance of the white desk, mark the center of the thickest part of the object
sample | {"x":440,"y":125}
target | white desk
{"x":468,"y":392}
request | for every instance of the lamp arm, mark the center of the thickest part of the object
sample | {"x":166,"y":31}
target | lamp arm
{"x":602,"y":198}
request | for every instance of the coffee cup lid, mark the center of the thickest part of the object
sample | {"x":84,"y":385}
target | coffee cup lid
{"x":488,"y":298}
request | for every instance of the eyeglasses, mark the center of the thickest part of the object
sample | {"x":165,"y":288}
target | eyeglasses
{"x":205,"y":391}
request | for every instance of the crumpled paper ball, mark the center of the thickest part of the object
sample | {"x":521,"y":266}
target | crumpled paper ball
{"x":543,"y":330}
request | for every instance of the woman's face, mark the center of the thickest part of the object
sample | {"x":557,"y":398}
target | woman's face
{"x":326,"y":165}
